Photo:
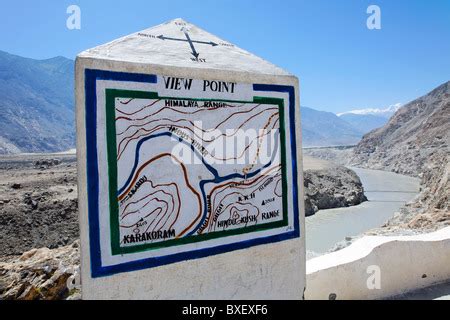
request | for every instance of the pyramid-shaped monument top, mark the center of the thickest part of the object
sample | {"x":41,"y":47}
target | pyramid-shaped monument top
{"x":181,"y":44}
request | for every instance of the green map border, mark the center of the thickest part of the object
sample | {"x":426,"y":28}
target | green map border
{"x":111,"y":95}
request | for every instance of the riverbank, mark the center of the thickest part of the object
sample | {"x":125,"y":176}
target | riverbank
{"x":415,"y":142}
{"x":334,"y":229}
{"x":430,"y":210}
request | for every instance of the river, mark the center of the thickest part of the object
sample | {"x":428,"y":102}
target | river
{"x":386,"y":192}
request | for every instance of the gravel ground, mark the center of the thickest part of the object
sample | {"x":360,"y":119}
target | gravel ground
{"x":38,"y":202}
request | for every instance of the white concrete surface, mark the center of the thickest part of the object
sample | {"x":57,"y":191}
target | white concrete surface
{"x":440,"y":291}
{"x":142,"y":48}
{"x":405,"y":263}
{"x":267,"y":271}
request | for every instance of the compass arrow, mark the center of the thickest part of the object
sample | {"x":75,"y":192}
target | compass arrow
{"x":169,"y":38}
{"x":204,"y":42}
{"x":194,"y":52}
{"x":190,"y":41}
{"x":211,"y":43}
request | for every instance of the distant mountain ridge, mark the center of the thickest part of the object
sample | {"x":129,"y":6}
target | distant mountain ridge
{"x":364,"y":122}
{"x":37,"y":104}
{"x":321,"y":129}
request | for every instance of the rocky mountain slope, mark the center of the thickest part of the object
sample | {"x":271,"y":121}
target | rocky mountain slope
{"x":415,"y":132}
{"x":416,"y":142}
{"x":37,"y":104}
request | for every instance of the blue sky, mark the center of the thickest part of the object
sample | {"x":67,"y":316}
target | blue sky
{"x":341,"y":64}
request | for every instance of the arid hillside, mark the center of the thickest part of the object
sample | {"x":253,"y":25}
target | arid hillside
{"x":416,"y":142}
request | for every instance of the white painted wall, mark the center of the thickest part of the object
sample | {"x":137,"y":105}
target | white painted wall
{"x":270,"y":271}
{"x":405,"y":262}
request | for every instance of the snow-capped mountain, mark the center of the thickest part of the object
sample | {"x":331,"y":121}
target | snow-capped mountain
{"x":364,"y":122}
{"x":386,"y":113}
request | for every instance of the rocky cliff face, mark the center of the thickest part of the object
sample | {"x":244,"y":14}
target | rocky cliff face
{"x":431,"y":209}
{"x":334,"y":187}
{"x":416,"y":142}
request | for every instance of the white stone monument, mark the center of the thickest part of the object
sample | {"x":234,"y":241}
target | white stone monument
{"x":189,"y":170}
